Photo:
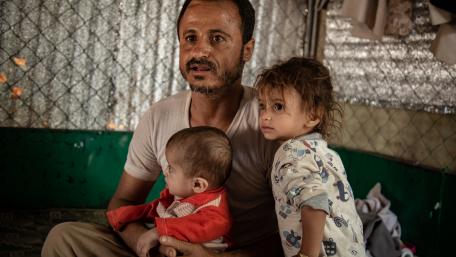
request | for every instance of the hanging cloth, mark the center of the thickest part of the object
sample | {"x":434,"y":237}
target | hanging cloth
{"x":399,"y":21}
{"x":372,"y":19}
{"x":368,"y":17}
{"x":443,"y":45}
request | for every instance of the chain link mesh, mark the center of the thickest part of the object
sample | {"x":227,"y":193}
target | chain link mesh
{"x":86,"y":64}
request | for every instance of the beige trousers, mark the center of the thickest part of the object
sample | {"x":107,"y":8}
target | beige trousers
{"x":83,"y":239}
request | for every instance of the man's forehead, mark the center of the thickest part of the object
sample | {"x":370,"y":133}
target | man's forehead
{"x":214,"y":15}
{"x":210,"y":1}
{"x":216,"y":6}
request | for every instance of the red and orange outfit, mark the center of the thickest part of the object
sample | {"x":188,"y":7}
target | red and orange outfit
{"x":200,"y":218}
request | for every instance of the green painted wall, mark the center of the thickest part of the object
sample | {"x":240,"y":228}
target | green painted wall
{"x":57,"y":168}
{"x":80,"y":169}
{"x":420,"y":198}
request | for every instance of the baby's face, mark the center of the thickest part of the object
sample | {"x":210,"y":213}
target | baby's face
{"x":282,"y":115}
{"x":179,"y":184}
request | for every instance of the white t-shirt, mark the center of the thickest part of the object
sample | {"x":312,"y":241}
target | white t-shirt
{"x":249,"y":186}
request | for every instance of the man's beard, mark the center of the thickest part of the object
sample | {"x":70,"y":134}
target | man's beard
{"x":228,"y":78}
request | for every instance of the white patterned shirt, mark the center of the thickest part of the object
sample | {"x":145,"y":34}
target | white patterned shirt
{"x":307,"y":173}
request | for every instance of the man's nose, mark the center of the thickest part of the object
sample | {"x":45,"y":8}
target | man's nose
{"x":202,"y":49}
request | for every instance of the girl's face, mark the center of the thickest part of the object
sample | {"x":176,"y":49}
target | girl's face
{"x":282,"y":115}
{"x":179,"y":184}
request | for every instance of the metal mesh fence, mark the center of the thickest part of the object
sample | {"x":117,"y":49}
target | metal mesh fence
{"x":86,"y":64}
{"x":402,"y":100}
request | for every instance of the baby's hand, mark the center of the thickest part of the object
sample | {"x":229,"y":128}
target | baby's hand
{"x":146,"y":242}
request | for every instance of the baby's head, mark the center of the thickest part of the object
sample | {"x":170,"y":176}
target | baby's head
{"x":199,"y":158}
{"x":296,"y":98}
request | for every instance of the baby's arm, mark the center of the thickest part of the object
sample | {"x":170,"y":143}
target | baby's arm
{"x":120,"y":217}
{"x":313,"y":224}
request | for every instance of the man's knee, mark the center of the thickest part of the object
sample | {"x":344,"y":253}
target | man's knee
{"x":57,"y":238}
{"x":60,"y":231}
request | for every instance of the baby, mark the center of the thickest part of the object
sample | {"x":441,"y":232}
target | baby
{"x":194,"y":205}
{"x":314,"y":201}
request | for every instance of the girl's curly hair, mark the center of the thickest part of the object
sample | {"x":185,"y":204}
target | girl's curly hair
{"x":312,"y":81}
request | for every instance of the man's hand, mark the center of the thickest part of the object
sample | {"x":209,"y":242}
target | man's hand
{"x":269,"y":247}
{"x":170,"y":247}
{"x":146,"y":242}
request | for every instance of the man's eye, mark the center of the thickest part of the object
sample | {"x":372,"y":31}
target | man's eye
{"x":190,"y":38}
{"x":218,"y":39}
{"x":278,"y":107}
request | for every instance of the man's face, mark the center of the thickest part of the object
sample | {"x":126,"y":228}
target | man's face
{"x":211,"y":49}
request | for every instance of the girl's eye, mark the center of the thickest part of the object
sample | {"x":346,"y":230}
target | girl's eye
{"x":278,"y":107}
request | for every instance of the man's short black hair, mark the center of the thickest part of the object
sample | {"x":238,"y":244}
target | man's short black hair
{"x":246,"y":12}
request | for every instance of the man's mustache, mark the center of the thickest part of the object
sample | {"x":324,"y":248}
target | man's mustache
{"x":201,"y":61}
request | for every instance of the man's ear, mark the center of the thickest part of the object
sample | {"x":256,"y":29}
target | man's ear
{"x":200,"y":185}
{"x":248,"y":50}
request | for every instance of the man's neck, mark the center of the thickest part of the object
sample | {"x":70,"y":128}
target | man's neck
{"x":216,"y":111}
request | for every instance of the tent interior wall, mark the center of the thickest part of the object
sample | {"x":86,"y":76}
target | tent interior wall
{"x":91,"y":71}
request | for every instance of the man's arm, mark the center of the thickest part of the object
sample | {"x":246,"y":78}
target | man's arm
{"x":269,"y":247}
{"x":130,"y":191}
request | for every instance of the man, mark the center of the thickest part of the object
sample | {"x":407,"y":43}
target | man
{"x":215,"y":41}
